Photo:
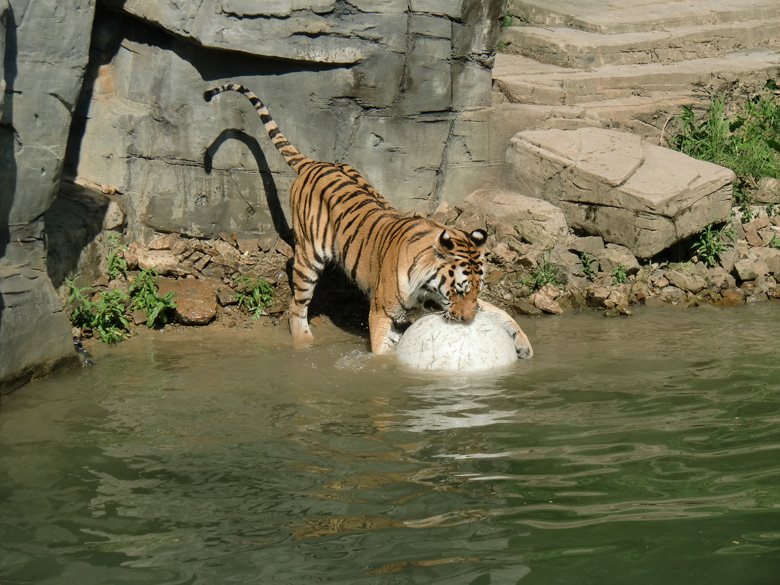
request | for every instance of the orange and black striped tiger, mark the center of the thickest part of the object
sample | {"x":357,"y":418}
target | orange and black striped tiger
{"x":403,"y":263}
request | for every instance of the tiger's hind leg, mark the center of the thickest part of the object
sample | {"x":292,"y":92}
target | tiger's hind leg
{"x":305,"y":274}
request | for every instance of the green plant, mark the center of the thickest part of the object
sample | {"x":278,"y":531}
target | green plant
{"x":145,"y":295}
{"x":545,"y":273}
{"x":254,"y":294}
{"x":620,"y":274}
{"x":104,"y":312}
{"x":115,"y":261}
{"x":748,"y":142}
{"x":587,"y":261}
{"x":712,"y":243}
{"x":774,"y":243}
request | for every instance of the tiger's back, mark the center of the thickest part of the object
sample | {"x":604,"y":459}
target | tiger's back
{"x":402,"y":263}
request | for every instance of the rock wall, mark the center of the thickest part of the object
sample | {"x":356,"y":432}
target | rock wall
{"x":109,"y":93}
{"x":385,"y":86}
{"x":45,"y":48}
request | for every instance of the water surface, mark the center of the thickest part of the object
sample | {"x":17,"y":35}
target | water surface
{"x":642,"y":450}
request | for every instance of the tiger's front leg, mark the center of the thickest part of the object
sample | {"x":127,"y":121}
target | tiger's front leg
{"x":522,"y":345}
{"x":382,"y":330}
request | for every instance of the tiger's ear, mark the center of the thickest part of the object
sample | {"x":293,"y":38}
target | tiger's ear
{"x":478,"y":238}
{"x":444,"y":244}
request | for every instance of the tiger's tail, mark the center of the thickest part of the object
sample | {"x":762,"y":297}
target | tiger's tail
{"x":291,"y":154}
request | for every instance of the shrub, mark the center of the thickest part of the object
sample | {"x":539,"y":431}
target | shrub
{"x":254,"y":294}
{"x":747,"y":143}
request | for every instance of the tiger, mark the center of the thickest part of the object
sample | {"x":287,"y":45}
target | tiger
{"x":405,"y":264}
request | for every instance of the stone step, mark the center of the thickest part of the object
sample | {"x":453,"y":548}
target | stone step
{"x":523,"y":80}
{"x":625,"y":16}
{"x":617,"y":186}
{"x":569,"y":47}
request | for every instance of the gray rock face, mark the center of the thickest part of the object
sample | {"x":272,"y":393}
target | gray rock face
{"x":46,"y":47}
{"x":385,"y":85}
{"x":620,"y":187}
{"x":381,"y":86}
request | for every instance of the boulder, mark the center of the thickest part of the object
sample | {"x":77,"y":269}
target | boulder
{"x":196,"y":300}
{"x":613,"y":255}
{"x":535,"y":220}
{"x":436,"y":344}
{"x":615,"y":185}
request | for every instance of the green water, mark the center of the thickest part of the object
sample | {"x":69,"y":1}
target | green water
{"x":642,"y":450}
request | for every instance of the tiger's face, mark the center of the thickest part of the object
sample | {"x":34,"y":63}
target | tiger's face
{"x":460,"y":275}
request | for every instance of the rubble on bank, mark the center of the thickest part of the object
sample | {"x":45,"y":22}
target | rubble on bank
{"x":557,"y":272}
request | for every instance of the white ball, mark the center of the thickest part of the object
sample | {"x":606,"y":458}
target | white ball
{"x":433,"y":343}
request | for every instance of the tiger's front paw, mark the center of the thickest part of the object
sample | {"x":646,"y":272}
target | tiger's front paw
{"x":523,"y":347}
{"x":301,"y":334}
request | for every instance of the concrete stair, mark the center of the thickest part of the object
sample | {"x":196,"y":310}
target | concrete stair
{"x":598,"y":67}
{"x":635,"y":63}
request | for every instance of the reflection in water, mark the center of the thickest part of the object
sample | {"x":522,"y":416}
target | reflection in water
{"x":225,"y":459}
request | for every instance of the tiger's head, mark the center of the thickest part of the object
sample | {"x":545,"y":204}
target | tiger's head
{"x":458,"y":276}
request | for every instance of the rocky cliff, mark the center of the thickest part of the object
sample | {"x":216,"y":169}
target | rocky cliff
{"x":111,"y":92}
{"x":45,"y":50}
{"x":380,"y":85}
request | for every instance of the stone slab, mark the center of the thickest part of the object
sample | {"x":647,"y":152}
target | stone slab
{"x":615,"y":185}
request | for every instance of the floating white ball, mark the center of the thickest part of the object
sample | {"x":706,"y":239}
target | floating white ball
{"x":434,"y":343}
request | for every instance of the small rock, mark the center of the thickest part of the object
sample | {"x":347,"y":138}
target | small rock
{"x":163,"y":261}
{"x":502,"y":254}
{"x":164,"y":242}
{"x":284,"y":248}
{"x":138,"y":316}
{"x":597,"y":295}
{"x":267,"y":241}
{"x":586,"y":245}
{"x":468,"y":221}
{"x":672,"y":295}
{"x":445,"y":213}
{"x":195,"y":299}
{"x":753,"y":239}
{"x":750,"y":268}
{"x":731,"y":296}
{"x":248,"y":246}
{"x":544,"y":300}
{"x":538,"y":221}
{"x":202,"y":262}
{"x":180,"y":247}
{"x":229,"y":238}
{"x":613,"y":255}
{"x":768,"y":190}
{"x":727,"y":259}
{"x":689,"y":282}
{"x":523,"y":307}
{"x":654,"y":302}
{"x":494,"y":276}
{"x":719,"y":279}
{"x":228,"y":254}
{"x":615,"y":299}
{"x":114,"y":217}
